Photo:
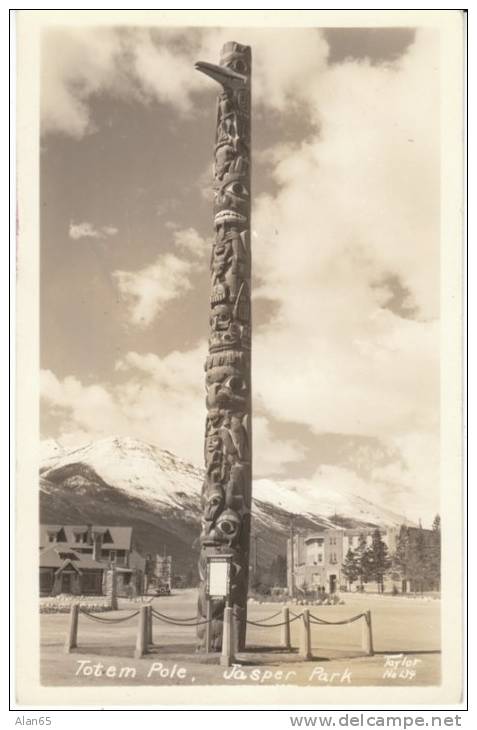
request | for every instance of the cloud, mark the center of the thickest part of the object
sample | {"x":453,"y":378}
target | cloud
{"x":357,"y":207}
{"x":160,"y":400}
{"x":189,"y":241}
{"x":76,"y":65}
{"x":87,"y":230}
{"x":149,"y":290}
{"x":80,"y":64}
{"x":109,"y":230}
{"x":273,"y":456}
{"x":355,"y":219}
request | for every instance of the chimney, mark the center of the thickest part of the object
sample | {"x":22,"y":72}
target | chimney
{"x":97,"y":544}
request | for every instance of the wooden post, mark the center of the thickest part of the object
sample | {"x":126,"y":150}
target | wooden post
{"x":141,"y":639}
{"x":305,"y":636}
{"x":226,"y":658}
{"x":367,"y":634}
{"x":286,"y":643}
{"x":150,"y":636}
{"x":72,"y":636}
{"x":208,"y":631}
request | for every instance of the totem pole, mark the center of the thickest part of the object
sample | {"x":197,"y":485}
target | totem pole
{"x":226,"y":493}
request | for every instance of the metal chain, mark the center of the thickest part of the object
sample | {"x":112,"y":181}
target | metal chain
{"x":295,"y":614}
{"x":269,"y":618}
{"x":108,"y":620}
{"x":174,"y":618}
{"x":160,"y":617}
{"x":316,"y":620}
{"x":282,"y":623}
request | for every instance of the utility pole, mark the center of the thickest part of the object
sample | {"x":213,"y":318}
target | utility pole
{"x":292,"y":556}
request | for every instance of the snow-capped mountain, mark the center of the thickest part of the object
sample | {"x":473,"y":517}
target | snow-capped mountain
{"x":127,"y":481}
{"x":139,"y":469}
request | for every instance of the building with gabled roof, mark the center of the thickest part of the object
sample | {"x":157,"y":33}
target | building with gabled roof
{"x":63,"y":570}
{"x":76,"y":558}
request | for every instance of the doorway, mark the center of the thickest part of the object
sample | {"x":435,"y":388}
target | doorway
{"x":332,"y":583}
{"x":66,"y":582}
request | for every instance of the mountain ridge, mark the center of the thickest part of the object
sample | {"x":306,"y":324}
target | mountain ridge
{"x":122,"y":480}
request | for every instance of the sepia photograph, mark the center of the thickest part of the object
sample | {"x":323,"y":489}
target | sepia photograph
{"x":242,"y":295}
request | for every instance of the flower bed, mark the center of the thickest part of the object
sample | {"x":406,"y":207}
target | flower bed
{"x":62,"y":603}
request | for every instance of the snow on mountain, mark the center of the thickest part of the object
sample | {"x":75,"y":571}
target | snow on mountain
{"x":140,"y":469}
{"x":303,"y":496}
{"x":51,"y":449}
{"x":157,"y":477}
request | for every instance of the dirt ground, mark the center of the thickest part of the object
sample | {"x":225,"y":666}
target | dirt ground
{"x":406,"y":634}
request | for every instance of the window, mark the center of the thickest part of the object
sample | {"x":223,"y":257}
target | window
{"x":320,"y":558}
{"x":91,"y":583}
{"x":67,"y":555}
{"x":51,"y":538}
{"x":112,"y":556}
{"x":46,"y":582}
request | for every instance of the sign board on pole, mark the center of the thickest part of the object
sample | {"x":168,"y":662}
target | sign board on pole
{"x":218,"y":575}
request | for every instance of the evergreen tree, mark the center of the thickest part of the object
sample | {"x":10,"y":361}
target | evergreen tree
{"x":378,"y":560}
{"x":418,"y":556}
{"x":351,"y":567}
{"x":417,"y":559}
{"x":433,"y":555}
{"x":362,"y":556}
{"x":401,"y":556}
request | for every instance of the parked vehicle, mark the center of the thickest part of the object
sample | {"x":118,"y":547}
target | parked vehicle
{"x":162,"y":589}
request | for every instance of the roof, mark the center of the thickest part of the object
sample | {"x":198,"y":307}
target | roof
{"x":58,"y":556}
{"x":315,"y":536}
{"x":121,"y":536}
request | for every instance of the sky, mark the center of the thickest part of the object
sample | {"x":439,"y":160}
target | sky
{"x":345,"y":248}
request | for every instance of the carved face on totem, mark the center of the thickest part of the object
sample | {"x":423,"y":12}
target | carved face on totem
{"x":231,"y":394}
{"x":221,"y":318}
{"x":214,"y":500}
{"x":228,"y":525}
{"x":236,"y":57}
{"x":231,"y":195}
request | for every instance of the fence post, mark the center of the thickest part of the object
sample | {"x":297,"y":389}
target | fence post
{"x":141,"y":639}
{"x":72,"y":636}
{"x":150,"y":636}
{"x":226,"y":658}
{"x":286,"y":643}
{"x":305,"y":636}
{"x":367,"y":635}
{"x":208,"y":618}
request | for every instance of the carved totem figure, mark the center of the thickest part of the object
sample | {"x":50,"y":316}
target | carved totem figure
{"x":226,"y":493}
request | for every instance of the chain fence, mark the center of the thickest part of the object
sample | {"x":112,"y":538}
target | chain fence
{"x":271,"y":626}
{"x":317,"y":620}
{"x":102,"y":619}
{"x":178,"y":622}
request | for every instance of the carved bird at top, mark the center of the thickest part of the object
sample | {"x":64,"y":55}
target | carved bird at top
{"x":223,"y":75}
